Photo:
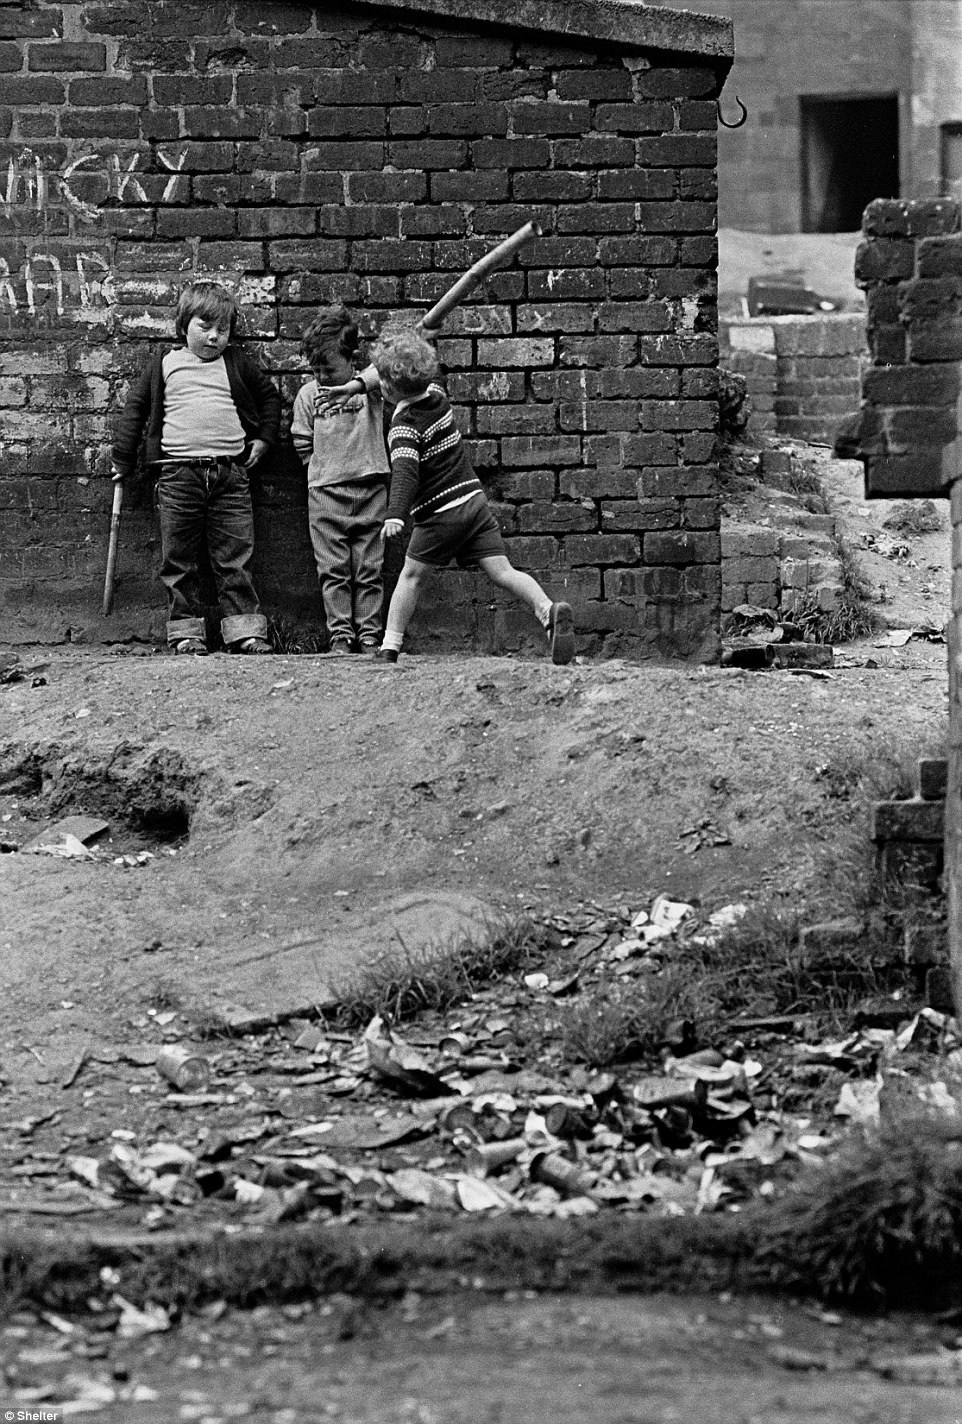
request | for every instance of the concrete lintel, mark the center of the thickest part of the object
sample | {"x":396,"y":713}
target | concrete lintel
{"x":629,"y":24}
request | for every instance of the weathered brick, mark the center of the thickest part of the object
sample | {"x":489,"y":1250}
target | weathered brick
{"x":510,"y":153}
{"x":18,"y":23}
{"x":647,"y":316}
{"x":343,"y":157}
{"x":100,"y":123}
{"x":469,"y":187}
{"x":345,"y":122}
{"x":593,"y":152}
{"x":608,"y":83}
{"x":424,"y":221}
{"x":682,"y":547}
{"x":551,"y":187}
{"x":602,"y":549}
{"x":640,"y":118}
{"x":429,"y":154}
{"x":884,"y":260}
{"x":549,"y":118}
{"x":455,"y":119}
{"x":640,"y":515}
{"x":569,"y":284}
{"x":362,"y":220}
{"x":913,"y":820}
{"x":644,"y":184}
{"x":562,"y":517}
{"x":23,"y":90}
{"x":473,"y":386}
{"x":598,"y":415}
{"x":351,"y":86}
{"x":315,"y":256}
{"x":515,"y":420}
{"x":54,"y":57}
{"x":391,"y":256}
{"x":555,"y":316}
{"x":386,"y":187}
{"x":677,"y":151}
{"x":441,"y":86}
{"x":522,"y":351}
{"x":541,"y":450}
{"x":276,"y":222}
{"x":596,"y":218}
{"x":207,"y":122}
{"x":514,"y":84}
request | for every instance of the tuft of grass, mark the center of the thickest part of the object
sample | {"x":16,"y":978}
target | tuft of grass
{"x":287,"y":636}
{"x":852,"y":617}
{"x":881,"y":1224}
{"x":401,"y":983}
{"x":752,"y":969}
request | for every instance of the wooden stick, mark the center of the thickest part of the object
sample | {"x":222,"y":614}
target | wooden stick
{"x":497,"y":257}
{"x":112,"y":547}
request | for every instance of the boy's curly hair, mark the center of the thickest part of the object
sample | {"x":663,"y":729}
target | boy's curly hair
{"x":210,"y":300}
{"x":403,"y":357}
{"x":332,"y":333}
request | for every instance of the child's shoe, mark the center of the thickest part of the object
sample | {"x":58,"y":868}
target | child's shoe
{"x":195,"y":647}
{"x":340,"y":648}
{"x":254,"y":647}
{"x":386,"y":655}
{"x":368,"y":647}
{"x":561,"y":633}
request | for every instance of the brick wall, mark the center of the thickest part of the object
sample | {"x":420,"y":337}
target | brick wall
{"x":804,"y":373}
{"x":908,"y":431}
{"x":309,"y":153}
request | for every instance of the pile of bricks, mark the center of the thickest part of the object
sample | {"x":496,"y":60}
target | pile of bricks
{"x":788,"y":562}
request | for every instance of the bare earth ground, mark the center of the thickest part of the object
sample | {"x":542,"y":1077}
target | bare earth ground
{"x":338,"y":805}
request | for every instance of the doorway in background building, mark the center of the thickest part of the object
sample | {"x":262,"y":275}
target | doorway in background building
{"x":850,"y":155}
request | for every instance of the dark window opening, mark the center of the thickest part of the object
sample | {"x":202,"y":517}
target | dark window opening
{"x":951,"y":165}
{"x":850,"y":156}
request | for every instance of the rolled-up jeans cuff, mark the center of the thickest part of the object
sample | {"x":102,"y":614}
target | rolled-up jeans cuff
{"x":180,"y":628}
{"x":238,"y":626}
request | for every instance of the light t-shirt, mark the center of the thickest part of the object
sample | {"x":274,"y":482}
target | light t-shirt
{"x":200,"y":417}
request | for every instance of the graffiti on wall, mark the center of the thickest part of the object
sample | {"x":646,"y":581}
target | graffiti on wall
{"x":42,"y":280}
{"x":81,"y":280}
{"x":33,"y":188}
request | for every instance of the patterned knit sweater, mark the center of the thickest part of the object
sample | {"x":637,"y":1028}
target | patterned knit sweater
{"x":429,"y":464}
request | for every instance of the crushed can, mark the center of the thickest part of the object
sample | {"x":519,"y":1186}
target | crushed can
{"x":187,"y":1070}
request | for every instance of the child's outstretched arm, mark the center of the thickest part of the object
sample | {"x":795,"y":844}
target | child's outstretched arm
{"x":335,"y":397}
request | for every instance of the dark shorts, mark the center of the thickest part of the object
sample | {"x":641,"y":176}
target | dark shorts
{"x":466,"y":534}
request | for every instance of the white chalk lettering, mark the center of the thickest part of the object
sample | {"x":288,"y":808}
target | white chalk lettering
{"x":35,"y":282}
{"x":174,"y":166}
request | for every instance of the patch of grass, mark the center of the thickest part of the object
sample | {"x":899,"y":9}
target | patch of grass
{"x":752,"y":969}
{"x":287,"y":636}
{"x":401,"y":983}
{"x":379,"y":1263}
{"x":852,"y":618}
{"x":881,"y":1225}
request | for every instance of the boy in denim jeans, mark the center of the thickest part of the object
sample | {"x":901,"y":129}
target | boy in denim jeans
{"x":347,"y":477}
{"x":206,"y":413}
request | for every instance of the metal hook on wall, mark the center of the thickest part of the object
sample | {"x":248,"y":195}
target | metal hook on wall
{"x":738,"y":122}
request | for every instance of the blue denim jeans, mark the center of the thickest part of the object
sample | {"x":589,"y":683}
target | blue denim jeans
{"x":345,"y":523}
{"x":207,"y":503}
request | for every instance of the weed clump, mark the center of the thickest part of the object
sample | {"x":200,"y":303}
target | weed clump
{"x":399,"y":984}
{"x":880,"y":1225}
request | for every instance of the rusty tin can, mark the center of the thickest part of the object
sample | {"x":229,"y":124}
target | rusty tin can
{"x":187,"y":1070}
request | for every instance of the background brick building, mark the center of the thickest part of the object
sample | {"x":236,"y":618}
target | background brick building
{"x":848,"y":101}
{"x":370,"y":152}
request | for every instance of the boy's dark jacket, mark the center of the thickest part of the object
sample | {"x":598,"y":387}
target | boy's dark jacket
{"x":256,"y":398}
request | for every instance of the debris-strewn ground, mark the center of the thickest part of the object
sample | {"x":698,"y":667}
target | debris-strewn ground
{"x":273,"y":825}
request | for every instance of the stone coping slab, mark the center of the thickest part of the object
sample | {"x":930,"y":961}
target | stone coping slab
{"x":629,"y":24}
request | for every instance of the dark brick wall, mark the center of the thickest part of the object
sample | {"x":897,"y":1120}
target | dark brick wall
{"x":909,"y":429}
{"x":308,"y":153}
